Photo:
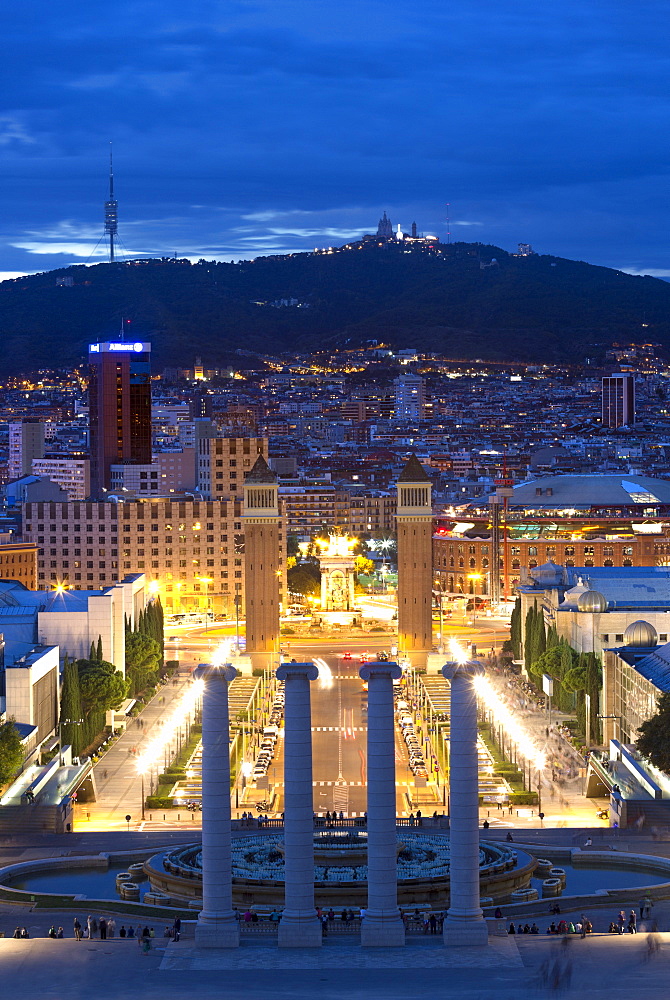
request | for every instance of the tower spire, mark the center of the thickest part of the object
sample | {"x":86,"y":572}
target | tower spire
{"x":111,"y":211}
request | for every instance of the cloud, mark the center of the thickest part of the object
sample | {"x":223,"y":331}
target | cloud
{"x":267,"y":125}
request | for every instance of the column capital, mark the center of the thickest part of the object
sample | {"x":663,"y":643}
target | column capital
{"x":286,"y":670}
{"x":470,"y":668}
{"x":381,"y":668}
{"x":208,"y":671}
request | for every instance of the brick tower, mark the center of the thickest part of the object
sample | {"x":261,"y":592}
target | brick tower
{"x":415,"y":563}
{"x":261,"y":563}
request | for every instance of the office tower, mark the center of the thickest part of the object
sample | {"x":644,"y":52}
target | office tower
{"x":119,"y":395}
{"x":410,"y":397}
{"x":26,"y":442}
{"x":618,"y":401}
{"x":415,"y":563}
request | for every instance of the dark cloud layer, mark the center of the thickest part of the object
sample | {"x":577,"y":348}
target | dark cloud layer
{"x":260,"y":125}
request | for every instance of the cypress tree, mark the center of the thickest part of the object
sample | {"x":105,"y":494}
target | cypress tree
{"x":540,"y":636}
{"x":93,"y":655}
{"x":70,"y":707}
{"x":98,"y":652}
{"x":528,"y":644}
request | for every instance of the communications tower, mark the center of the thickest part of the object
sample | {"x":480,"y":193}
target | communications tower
{"x":111,"y":211}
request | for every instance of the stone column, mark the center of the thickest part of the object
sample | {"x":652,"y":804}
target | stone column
{"x":299,"y":926}
{"x":216,"y":926}
{"x":464,"y":924}
{"x":382,"y":925}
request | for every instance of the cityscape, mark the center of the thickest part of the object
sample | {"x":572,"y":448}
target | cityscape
{"x":334,"y":557}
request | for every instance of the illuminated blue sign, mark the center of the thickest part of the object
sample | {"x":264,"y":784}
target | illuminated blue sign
{"x":117,"y":345}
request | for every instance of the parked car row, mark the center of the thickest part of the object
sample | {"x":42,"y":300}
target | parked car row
{"x":269,"y":738}
{"x":417,"y":761}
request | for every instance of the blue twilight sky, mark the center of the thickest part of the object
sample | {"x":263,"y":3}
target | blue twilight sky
{"x":244,"y":127}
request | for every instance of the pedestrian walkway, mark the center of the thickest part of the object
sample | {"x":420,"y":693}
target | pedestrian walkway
{"x":118,"y":785}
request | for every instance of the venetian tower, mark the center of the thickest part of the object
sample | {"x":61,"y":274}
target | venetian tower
{"x":414,"y":519}
{"x":261,"y":563}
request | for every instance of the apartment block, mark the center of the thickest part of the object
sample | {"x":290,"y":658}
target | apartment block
{"x":71,"y":473}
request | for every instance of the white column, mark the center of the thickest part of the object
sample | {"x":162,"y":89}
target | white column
{"x":383,"y":924}
{"x":216,"y":926}
{"x":299,"y":926}
{"x":465,"y":924}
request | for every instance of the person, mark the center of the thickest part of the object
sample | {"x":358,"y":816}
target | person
{"x":24,"y":933}
{"x":122,"y":931}
{"x":324,"y":925}
{"x":103,"y":929}
{"x":509,"y":838}
{"x":645,"y":907}
{"x":152,"y":932}
{"x":418,"y":817}
{"x":17,"y":932}
{"x":433,"y":923}
{"x":60,"y":933}
{"x":511,"y":929}
{"x":344,"y":917}
{"x":52,"y":931}
{"x":498,"y":913}
{"x":614,"y":928}
{"x":146,"y":932}
{"x":486,"y":824}
{"x":111,"y":927}
{"x":411,"y":819}
{"x":177,"y":928}
{"x":526,"y":928}
{"x":362,"y":911}
{"x":534,"y":929}
{"x":622,"y":921}
{"x":632,"y":922}
{"x":92,"y":925}
{"x":77,"y":929}
{"x":331,"y":914}
{"x":588,"y":842}
{"x":131,"y":931}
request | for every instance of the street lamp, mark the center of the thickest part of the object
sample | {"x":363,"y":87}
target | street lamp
{"x":142,"y":780}
{"x":237,"y":624}
{"x":206,"y":580}
{"x":440,"y":592}
{"x":474,"y":577}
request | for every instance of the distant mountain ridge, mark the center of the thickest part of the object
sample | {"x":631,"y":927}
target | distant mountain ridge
{"x":460,"y":300}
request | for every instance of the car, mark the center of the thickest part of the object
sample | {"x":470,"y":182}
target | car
{"x":346,"y":656}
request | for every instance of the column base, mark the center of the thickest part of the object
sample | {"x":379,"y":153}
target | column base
{"x":465,"y":933}
{"x":382,"y":930}
{"x":299,"y":931}
{"x":217,"y":930}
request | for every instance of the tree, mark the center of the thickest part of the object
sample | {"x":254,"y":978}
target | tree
{"x":98,"y":652}
{"x":528,"y":637}
{"x":102,"y":687}
{"x":142,"y":661}
{"x":11,"y":751}
{"x":71,"y":717}
{"x":654,"y":735}
{"x":305,"y":579}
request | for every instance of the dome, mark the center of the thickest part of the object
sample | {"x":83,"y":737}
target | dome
{"x":640,"y":634}
{"x":592,"y":601}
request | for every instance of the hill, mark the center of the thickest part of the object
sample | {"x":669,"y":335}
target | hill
{"x":462,"y":300}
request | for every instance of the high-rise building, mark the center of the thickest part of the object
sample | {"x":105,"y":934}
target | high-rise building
{"x":119,"y":395}
{"x":26,"y":442}
{"x":415,"y":563}
{"x":410,"y":397}
{"x":618,"y":400}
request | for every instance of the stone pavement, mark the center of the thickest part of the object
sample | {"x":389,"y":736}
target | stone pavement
{"x":608,"y":968}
